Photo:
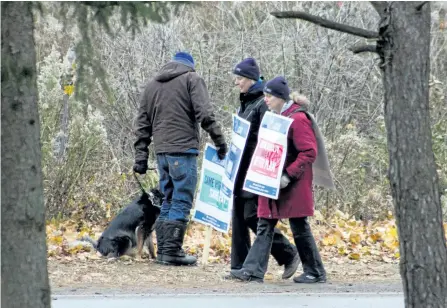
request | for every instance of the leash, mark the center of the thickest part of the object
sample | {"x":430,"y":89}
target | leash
{"x":139,"y":183}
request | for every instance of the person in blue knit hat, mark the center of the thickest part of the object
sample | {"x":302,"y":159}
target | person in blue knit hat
{"x":171,"y":107}
{"x":184,"y":58}
{"x":245,"y":204}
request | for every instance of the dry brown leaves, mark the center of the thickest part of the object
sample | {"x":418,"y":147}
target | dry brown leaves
{"x":340,"y":240}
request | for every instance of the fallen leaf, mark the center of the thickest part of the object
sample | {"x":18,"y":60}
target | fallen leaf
{"x":354,"y":256}
{"x":330,"y":240}
{"x":355,"y":238}
{"x":268,"y":276}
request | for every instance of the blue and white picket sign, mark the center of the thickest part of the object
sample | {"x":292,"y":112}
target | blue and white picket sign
{"x":214,"y":199}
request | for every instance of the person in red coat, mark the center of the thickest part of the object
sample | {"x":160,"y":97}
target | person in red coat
{"x":295,"y":200}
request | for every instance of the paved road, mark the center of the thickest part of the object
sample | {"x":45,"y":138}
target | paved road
{"x":331,"y":300}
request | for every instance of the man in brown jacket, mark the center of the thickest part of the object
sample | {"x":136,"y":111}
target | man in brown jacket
{"x":171,"y":108}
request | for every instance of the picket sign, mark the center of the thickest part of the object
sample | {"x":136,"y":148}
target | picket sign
{"x":265,"y":170}
{"x":214,"y":198}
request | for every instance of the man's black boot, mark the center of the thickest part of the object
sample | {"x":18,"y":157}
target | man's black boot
{"x":160,"y":233}
{"x":173,"y":254}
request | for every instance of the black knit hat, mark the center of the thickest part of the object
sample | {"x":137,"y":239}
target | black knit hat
{"x":278,"y":87}
{"x":247,"y":68}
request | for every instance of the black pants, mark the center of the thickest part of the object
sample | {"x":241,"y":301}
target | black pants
{"x":244,"y":218}
{"x":257,"y":260}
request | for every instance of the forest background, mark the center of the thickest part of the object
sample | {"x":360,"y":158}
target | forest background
{"x":87,"y":140}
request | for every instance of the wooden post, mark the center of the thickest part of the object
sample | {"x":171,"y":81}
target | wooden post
{"x":206,"y":247}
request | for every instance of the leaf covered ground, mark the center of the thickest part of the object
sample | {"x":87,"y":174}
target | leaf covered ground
{"x":351,"y":250}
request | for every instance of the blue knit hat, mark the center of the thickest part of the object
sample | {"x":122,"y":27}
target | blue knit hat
{"x":184,"y":58}
{"x":278,"y":87}
{"x":247,"y":68}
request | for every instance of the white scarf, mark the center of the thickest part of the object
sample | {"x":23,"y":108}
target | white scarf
{"x":285,"y":107}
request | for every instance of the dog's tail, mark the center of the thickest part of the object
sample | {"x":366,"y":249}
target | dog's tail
{"x":88,"y":239}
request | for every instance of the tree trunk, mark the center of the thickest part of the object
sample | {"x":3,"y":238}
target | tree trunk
{"x":24,"y":255}
{"x":404,"y":46}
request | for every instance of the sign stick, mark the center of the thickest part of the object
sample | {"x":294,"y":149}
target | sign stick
{"x":206,"y":247}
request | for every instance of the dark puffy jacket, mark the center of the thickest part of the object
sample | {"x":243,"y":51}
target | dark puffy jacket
{"x":252,"y":109}
{"x":171,"y":106}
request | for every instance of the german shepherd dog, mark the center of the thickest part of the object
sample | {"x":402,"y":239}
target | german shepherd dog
{"x":132,"y":227}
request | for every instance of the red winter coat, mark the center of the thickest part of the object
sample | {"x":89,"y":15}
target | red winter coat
{"x":295,"y":200}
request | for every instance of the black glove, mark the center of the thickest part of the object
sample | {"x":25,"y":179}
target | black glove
{"x":222,"y":149}
{"x":140,"y":166}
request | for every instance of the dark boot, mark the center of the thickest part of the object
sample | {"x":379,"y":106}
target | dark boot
{"x":243,"y":275}
{"x":173,"y":254}
{"x":291,"y":267}
{"x":307,"y":278}
{"x":160,"y":233}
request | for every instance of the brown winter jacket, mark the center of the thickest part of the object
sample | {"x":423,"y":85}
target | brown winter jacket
{"x":171,"y":106}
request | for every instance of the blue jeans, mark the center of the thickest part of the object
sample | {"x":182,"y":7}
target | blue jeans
{"x":178,"y":181}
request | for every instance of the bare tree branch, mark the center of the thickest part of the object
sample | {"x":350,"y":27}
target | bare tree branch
{"x":363,"y":48}
{"x":419,"y":6}
{"x":326,"y":23}
{"x":100,"y":4}
{"x":380,"y":6}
